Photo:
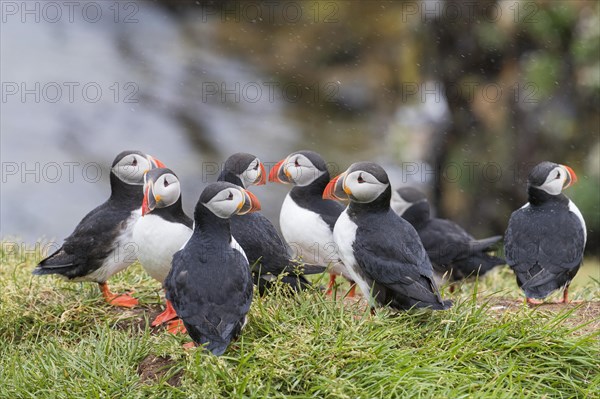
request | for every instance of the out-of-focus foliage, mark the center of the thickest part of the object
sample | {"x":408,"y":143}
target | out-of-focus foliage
{"x":489,"y":88}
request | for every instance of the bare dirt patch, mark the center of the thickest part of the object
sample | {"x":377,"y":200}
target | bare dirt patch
{"x":154,"y":368}
{"x":583,"y":312}
{"x":137,"y":319}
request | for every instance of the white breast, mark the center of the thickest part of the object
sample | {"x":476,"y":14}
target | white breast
{"x":573,"y":208}
{"x":344,"y":235}
{"x":236,"y":246}
{"x":124,"y":254}
{"x":309,"y":236}
{"x":157,"y":240}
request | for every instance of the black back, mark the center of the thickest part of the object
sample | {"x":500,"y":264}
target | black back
{"x":210,"y":285}
{"x":266,"y":251}
{"x":450,"y":248}
{"x":94,"y":238}
{"x":544,"y":244}
{"x":392,"y":258}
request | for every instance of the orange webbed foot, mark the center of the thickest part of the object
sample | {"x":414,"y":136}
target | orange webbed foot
{"x":168,"y":315}
{"x":176,"y":327}
{"x":125,"y":300}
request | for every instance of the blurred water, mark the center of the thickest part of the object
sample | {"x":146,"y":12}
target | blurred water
{"x":164,"y":63}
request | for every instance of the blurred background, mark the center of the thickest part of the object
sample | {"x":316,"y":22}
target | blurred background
{"x":460,"y":98}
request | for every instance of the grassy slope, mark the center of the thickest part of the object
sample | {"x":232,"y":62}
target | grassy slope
{"x":59,"y":340}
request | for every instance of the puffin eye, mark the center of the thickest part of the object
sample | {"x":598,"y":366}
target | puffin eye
{"x":166,"y":183}
{"x":558,"y":175}
{"x":255,"y":166}
{"x":230,"y":196}
{"x":360,"y":179}
{"x":296,"y":163}
{"x":134,"y":162}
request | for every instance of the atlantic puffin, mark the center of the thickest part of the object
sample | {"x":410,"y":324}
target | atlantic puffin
{"x":454,"y":253}
{"x":210,"y":283}
{"x":545,"y":238}
{"x":162,"y":230}
{"x":382,"y":251}
{"x":306,"y":220}
{"x":101,"y":244}
{"x":267,"y":254}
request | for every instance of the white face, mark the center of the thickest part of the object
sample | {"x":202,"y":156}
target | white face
{"x":226,"y":203}
{"x":555,"y":181}
{"x":301,"y":170}
{"x":166,"y":190}
{"x":131,"y":168}
{"x":398,"y":204}
{"x":252,"y":174}
{"x":363,"y":186}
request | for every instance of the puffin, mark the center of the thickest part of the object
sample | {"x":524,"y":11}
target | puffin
{"x":267,"y":253}
{"x":454,"y":253}
{"x":306,"y":220}
{"x":382,"y":251}
{"x":210,"y":283}
{"x":101,"y":244}
{"x":163,"y":229}
{"x":546,"y":237}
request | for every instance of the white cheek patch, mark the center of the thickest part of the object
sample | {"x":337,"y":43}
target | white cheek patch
{"x":130,"y":174}
{"x":552,"y":185}
{"x":304,"y":173}
{"x":170,"y":194}
{"x":366,"y":191}
{"x":398,"y":204}
{"x":307,"y":175}
{"x":249,"y":177}
{"x":223,"y":207}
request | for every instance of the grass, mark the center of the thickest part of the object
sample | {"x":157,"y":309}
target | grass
{"x":60,"y":340}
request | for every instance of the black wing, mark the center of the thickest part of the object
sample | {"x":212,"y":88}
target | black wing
{"x":452,"y":249}
{"x":544,"y":248}
{"x":267,"y":253}
{"x":444,"y":241}
{"x":88,"y":246}
{"x":212,"y":295}
{"x":397,"y":263}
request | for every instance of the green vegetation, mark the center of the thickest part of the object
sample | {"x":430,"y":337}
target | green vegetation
{"x":60,"y":340}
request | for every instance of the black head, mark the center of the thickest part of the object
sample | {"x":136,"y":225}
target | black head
{"x":243,"y":169}
{"x":363,"y":183}
{"x":404,"y":197}
{"x":130,"y":166}
{"x":225,"y":199}
{"x":300,"y":168}
{"x":551,"y":177}
{"x":161,"y":189}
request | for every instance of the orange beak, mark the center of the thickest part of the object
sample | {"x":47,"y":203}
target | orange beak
{"x":572,"y":176}
{"x":251,"y":203}
{"x":156,"y":162}
{"x":335,"y":189}
{"x":145,"y":208}
{"x":277,"y":175}
{"x":263,"y":175}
